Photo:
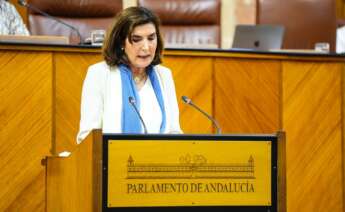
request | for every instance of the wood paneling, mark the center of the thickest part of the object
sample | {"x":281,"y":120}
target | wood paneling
{"x":71,"y":183}
{"x":340,"y":9}
{"x":342,"y":76}
{"x":312,"y":119}
{"x":26,"y":128}
{"x":70,"y":71}
{"x":247,"y":95}
{"x":193,"y":78}
{"x":32,"y":197}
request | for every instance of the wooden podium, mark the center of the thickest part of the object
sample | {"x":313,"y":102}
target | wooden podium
{"x":116,"y":172}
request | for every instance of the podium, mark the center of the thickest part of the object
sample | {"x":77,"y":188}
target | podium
{"x":117,"y":172}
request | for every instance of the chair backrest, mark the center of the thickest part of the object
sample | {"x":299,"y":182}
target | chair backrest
{"x":85,"y":15}
{"x":306,"y":22}
{"x":190,"y":22}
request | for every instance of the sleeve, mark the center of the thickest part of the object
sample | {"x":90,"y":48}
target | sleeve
{"x":91,"y":109}
{"x":172,"y":101}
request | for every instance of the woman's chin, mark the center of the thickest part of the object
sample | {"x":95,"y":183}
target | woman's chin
{"x":143,"y":65}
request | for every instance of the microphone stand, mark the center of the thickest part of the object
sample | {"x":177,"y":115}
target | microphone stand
{"x":189,"y":102}
{"x":33,"y":8}
{"x":132,"y":102}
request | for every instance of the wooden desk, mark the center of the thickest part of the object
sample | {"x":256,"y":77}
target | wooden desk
{"x":246,"y":92}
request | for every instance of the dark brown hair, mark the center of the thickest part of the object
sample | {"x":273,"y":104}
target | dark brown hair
{"x":122,"y":28}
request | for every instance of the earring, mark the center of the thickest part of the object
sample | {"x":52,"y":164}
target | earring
{"x":122,"y":48}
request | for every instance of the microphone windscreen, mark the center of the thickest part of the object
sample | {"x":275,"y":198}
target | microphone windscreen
{"x":131,"y":100}
{"x":186,"y":99}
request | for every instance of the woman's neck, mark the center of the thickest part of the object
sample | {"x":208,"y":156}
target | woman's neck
{"x":139,"y":76}
{"x":138,"y":71}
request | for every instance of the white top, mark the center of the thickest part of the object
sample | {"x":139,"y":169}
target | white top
{"x":149,"y":108}
{"x":11,"y":22}
{"x":101,"y":101}
{"x":340,"y":47}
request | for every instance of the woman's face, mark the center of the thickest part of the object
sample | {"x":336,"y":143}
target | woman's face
{"x":142,"y":50}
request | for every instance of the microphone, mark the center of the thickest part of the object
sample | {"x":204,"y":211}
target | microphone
{"x":132,"y":102}
{"x":33,"y":8}
{"x":214,"y":122}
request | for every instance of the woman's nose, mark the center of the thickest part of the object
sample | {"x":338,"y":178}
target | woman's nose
{"x":145,"y":45}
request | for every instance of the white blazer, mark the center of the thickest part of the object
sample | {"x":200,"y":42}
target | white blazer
{"x":101,"y":100}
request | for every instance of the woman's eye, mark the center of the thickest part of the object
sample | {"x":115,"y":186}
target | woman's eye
{"x":136,"y":39}
{"x":152,"y":37}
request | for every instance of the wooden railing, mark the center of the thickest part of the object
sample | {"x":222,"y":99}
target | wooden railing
{"x":301,"y":94}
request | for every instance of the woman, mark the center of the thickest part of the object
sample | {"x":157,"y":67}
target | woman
{"x":132,"y":53}
{"x":10,"y":21}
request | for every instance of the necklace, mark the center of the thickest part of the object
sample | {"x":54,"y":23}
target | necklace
{"x":139,"y":78}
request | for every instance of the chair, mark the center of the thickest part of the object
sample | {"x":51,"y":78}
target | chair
{"x":188,"y":22}
{"x":306,"y":22}
{"x":85,"y":15}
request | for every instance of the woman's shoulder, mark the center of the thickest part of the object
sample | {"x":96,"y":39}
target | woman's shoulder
{"x":163,"y":70}
{"x":8,"y":9}
{"x":6,"y":5}
{"x":100,"y":70}
{"x":99,"y":66}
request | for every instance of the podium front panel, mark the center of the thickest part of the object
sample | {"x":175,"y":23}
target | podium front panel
{"x":183,"y":171}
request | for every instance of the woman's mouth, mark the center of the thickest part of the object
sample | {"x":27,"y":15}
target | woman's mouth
{"x":144,"y":56}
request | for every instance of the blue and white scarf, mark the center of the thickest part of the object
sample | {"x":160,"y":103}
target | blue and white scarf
{"x":130,"y":121}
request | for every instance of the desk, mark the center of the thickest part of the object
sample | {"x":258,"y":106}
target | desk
{"x":246,"y":92}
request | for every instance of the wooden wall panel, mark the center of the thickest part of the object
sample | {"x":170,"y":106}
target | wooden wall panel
{"x":242,"y":91}
{"x":79,"y":176}
{"x":193,"y":78}
{"x":340,"y":9}
{"x":66,"y":176}
{"x":26,"y":128}
{"x":312,"y":119}
{"x":71,"y":69}
{"x":247,"y":95}
{"x":342,"y":76}
{"x":32,"y":197}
